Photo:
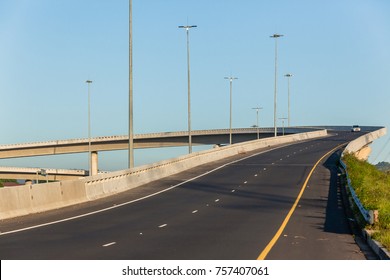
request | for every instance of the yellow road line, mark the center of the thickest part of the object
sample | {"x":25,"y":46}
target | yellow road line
{"x":268,"y":248}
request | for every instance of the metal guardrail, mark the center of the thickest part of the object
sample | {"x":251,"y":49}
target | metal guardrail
{"x":368,"y":215}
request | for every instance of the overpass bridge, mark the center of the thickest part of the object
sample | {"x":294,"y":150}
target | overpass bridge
{"x":40,"y":174}
{"x":112,"y":143}
{"x":141,"y":141}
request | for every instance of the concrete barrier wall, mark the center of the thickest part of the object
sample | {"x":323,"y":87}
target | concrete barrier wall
{"x":364,"y":140}
{"x":24,"y":200}
{"x":15,"y":201}
{"x":105,"y":184}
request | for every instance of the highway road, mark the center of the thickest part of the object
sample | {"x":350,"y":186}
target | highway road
{"x":280,"y":203}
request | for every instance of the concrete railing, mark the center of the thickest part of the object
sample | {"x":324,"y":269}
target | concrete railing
{"x":23,"y":200}
{"x":364,"y":140}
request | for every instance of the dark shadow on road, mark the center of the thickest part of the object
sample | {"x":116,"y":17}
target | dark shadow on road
{"x":339,"y":218}
{"x":336,"y":220}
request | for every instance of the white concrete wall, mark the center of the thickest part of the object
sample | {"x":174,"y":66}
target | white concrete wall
{"x":357,"y":144}
{"x":22,"y":200}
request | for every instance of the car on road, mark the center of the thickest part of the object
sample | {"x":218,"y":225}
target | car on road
{"x":355,"y":128}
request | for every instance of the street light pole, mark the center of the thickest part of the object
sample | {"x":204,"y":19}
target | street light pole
{"x":257,"y":120}
{"x":231,"y":106}
{"x":131,"y":135}
{"x":276,"y":36}
{"x":89,"y":82}
{"x":187,"y":28}
{"x":288,"y":90}
{"x":283,"y":124}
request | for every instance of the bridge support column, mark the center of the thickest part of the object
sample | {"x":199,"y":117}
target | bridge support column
{"x":94,"y":163}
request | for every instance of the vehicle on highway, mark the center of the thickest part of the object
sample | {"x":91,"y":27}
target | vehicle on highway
{"x":355,"y":128}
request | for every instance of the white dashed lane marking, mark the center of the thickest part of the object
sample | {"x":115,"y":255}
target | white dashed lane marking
{"x":109,"y":244}
{"x":163,"y":225}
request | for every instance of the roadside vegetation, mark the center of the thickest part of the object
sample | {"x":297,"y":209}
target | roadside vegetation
{"x":372,"y":186}
{"x":5,"y":180}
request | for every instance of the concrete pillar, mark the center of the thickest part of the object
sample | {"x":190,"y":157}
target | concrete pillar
{"x":94,"y":163}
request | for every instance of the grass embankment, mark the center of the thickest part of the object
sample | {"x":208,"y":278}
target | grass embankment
{"x":373,"y":189}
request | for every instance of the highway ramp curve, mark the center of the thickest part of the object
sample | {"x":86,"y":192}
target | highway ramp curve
{"x":272,"y":203}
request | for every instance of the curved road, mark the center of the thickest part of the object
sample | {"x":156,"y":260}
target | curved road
{"x":268,"y":204}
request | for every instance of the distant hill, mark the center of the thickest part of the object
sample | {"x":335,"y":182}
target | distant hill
{"x":383,"y":166}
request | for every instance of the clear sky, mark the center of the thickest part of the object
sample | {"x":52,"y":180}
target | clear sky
{"x":337,"y":50}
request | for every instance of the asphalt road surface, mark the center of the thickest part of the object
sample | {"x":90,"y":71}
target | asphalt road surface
{"x":269,"y":204}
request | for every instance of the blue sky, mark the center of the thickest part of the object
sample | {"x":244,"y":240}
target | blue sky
{"x":337,"y":51}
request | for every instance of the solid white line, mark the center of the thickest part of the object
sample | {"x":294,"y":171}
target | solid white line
{"x":144,"y":197}
{"x":108,"y":244}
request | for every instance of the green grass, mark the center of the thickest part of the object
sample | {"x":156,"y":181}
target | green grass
{"x":373,"y":189}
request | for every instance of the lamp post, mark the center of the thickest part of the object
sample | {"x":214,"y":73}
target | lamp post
{"x":89,"y":82}
{"x":257,"y":120}
{"x":187,"y":28}
{"x":276,"y":36}
{"x":288,"y":90}
{"x":231,"y":105}
{"x":131,"y":135}
{"x":283,"y":124}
